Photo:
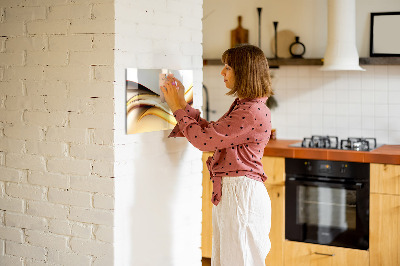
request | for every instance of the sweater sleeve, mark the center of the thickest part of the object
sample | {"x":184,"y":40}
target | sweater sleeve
{"x":193,"y":113}
{"x":229,"y":131}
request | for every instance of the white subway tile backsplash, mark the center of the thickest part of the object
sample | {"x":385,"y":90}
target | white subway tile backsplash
{"x":381,"y":97}
{"x":355,"y":122}
{"x":329,"y":123}
{"x":292,"y":83}
{"x":293,"y":120}
{"x":305,"y":95}
{"x":381,"y":110}
{"x":381,"y":123}
{"x":369,"y":70}
{"x":367,"y":133}
{"x":303,"y":82}
{"x":291,"y":71}
{"x":394,"y":123}
{"x":380,"y":71}
{"x":394,"y":110}
{"x":355,"y":96}
{"x":342,"y":133}
{"x":346,"y":103}
{"x":368,"y":122}
{"x":342,"y":81}
{"x":342,"y":109}
{"x":304,"y":131}
{"x":315,"y":72}
{"x":329,"y":109}
{"x":381,"y":84}
{"x":367,"y":96}
{"x":304,"y":72}
{"x":278,"y":83}
{"x":316,"y":82}
{"x":393,"y":71}
{"x":367,"y":110}
{"x":354,"y":80}
{"x":382,"y":136}
{"x":342,"y":122}
{"x":329,"y":93}
{"x":394,"y":82}
{"x":304,"y":109}
{"x":342,"y":96}
{"x":394,"y":97}
{"x":394,"y":137}
{"x":328,"y":74}
{"x":355,"y":132}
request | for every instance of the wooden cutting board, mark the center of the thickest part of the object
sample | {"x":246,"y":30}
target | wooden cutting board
{"x":239,"y":35}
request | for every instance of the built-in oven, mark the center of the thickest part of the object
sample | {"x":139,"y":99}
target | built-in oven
{"x":327,"y":202}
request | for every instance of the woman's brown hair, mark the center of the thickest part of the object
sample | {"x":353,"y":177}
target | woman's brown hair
{"x":250,"y":66}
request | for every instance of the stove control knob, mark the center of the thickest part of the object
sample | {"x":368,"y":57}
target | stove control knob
{"x":308,"y":166}
{"x":343,"y":168}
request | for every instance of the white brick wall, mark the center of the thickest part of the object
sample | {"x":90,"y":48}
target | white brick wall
{"x":56,"y":132}
{"x":62,"y":138}
{"x":153,"y":174}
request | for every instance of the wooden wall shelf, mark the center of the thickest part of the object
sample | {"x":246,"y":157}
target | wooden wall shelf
{"x":274,"y":63}
{"x":380,"y":61}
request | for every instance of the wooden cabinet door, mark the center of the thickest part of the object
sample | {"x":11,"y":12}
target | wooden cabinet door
{"x":206,"y":226}
{"x":305,"y":254}
{"x":277,"y":233}
{"x":385,"y":178}
{"x":274,"y":168}
{"x":384,"y":236}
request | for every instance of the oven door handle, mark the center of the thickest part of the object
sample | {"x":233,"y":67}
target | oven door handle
{"x":357,"y":185}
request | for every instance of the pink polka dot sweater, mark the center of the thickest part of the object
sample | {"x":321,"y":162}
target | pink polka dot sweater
{"x":238,"y":139}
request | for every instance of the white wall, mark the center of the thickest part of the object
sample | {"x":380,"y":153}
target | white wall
{"x":344,"y":103}
{"x":56,"y":132}
{"x":158,"y":180}
{"x":313,"y":102}
{"x":305,"y":18}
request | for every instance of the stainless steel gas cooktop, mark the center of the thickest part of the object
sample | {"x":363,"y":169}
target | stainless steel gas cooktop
{"x":332,"y":142}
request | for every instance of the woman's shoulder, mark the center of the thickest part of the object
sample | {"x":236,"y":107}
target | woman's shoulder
{"x":254,"y":105}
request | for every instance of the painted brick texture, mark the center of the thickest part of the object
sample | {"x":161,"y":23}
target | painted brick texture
{"x":157,"y":180}
{"x":56,"y":132}
{"x":62,"y":135}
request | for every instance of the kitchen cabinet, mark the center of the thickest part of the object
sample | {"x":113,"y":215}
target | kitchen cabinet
{"x":385,"y":178}
{"x":274,"y":168}
{"x":385,"y":214}
{"x":305,"y":254}
{"x":384,"y":248}
{"x":206,"y":226}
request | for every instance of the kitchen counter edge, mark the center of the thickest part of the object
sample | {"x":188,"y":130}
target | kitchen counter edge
{"x":385,"y":154}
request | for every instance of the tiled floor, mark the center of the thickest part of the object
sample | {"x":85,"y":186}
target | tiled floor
{"x":206,"y":261}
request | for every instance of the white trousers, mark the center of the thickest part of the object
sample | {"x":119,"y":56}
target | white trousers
{"x":241,"y":223}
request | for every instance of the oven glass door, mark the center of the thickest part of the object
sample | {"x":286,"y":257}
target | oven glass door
{"x":326,"y":213}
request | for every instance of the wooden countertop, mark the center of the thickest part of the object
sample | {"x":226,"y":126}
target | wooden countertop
{"x":389,"y":154}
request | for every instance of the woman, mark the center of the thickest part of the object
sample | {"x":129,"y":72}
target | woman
{"x":242,"y":207}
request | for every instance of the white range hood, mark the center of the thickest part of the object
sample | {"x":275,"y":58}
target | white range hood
{"x":341,"y":51}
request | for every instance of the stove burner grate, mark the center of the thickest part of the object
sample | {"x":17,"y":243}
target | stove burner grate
{"x":332,"y":142}
{"x":327,"y":142}
{"x":358,"y":144}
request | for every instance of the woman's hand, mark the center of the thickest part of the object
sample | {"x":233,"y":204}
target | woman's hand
{"x":181,"y":91}
{"x":171,"y":94}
